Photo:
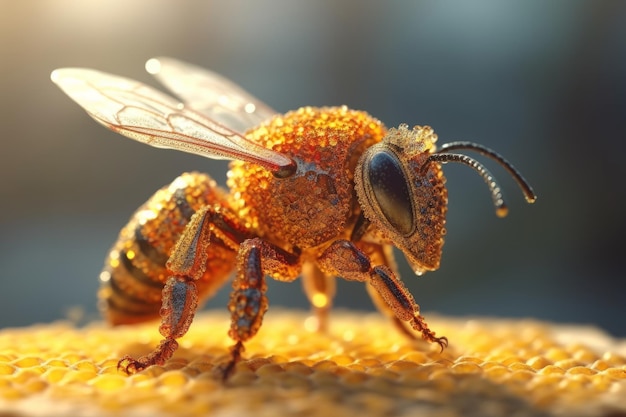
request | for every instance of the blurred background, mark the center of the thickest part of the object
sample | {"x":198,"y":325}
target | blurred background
{"x":542,"y":83}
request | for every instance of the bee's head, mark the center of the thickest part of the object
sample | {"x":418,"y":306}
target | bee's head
{"x":401,"y":189}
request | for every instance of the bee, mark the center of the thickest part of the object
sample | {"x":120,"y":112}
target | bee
{"x":316,"y":193}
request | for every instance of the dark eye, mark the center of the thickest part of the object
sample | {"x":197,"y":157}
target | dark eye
{"x":389,"y":188}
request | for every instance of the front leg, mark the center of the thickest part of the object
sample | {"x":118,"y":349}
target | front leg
{"x":383,"y":255}
{"x":343,"y":258}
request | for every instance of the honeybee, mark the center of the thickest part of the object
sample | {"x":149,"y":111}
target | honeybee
{"x":317,"y":192}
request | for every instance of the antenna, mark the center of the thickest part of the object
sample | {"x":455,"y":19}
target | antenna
{"x":443,"y":156}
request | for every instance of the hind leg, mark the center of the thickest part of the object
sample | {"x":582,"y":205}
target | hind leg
{"x":186,"y":267}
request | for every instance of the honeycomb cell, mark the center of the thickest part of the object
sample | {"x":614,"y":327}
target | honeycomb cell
{"x":466,"y":367}
{"x":298,"y":368}
{"x":27,"y":362}
{"x":6,"y":369}
{"x":538,"y":362}
{"x":269,"y":369}
{"x":173,"y":378}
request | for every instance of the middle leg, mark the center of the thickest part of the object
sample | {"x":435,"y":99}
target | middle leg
{"x":320,"y":290}
{"x":248,"y":302}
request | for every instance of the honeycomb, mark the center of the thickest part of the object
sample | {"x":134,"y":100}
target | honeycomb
{"x":362,"y":366}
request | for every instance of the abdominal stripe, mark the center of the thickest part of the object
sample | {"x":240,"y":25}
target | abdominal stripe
{"x":145,"y":247}
{"x":138,"y":274}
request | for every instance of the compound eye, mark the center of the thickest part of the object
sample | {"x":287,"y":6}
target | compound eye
{"x":389,"y":187}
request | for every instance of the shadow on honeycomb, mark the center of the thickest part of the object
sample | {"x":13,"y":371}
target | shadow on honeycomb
{"x":362,"y":367}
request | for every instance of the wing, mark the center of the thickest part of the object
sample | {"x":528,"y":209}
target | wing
{"x":210,"y":94}
{"x":149,"y":116}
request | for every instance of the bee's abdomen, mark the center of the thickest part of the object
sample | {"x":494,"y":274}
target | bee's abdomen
{"x":134,"y":272}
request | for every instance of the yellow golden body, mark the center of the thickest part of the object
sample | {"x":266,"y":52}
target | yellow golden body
{"x":307,"y":210}
{"x":316,"y":193}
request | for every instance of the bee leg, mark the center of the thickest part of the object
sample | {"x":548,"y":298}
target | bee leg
{"x":320,"y":290}
{"x":383,"y":255}
{"x":248,"y":302}
{"x":180,"y":295}
{"x":385,"y":309}
{"x":180,"y":302}
{"x":345,"y":259}
{"x":400,"y":300}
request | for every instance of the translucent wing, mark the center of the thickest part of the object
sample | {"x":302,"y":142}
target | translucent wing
{"x":149,"y":116}
{"x":210,"y":94}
